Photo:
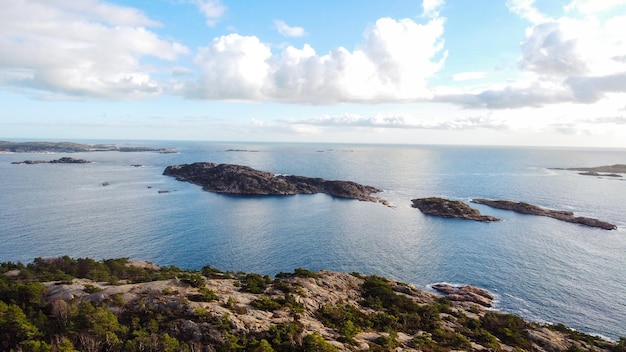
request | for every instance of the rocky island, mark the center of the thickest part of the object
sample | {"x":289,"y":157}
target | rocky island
{"x":563,"y":215}
{"x":606,"y":170}
{"x":69,"y":147}
{"x":244,"y":180}
{"x":64,"y":160}
{"x":450,"y":209}
{"x":65,"y":304}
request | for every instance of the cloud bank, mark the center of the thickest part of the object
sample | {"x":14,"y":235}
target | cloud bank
{"x":394,"y":64}
{"x":572,"y":59}
{"x":95,"y":49}
{"x":81,"y":48}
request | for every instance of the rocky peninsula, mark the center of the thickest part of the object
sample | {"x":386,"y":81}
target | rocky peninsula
{"x":69,"y":147}
{"x":65,"y":304}
{"x":244,"y":180}
{"x":563,"y":215}
{"x":450,"y":209}
{"x":64,"y":160}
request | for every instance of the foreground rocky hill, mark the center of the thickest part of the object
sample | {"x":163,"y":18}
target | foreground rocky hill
{"x":66,"y":304}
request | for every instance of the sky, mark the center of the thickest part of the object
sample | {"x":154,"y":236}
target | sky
{"x":489,"y":72}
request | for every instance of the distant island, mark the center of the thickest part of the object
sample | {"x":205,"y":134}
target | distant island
{"x":66,"y":304}
{"x":64,"y":160}
{"x":450,"y":209}
{"x":606,"y":171}
{"x":563,"y":215}
{"x":244,"y":180}
{"x":69,"y":147}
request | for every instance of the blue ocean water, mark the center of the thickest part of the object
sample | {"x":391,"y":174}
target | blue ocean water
{"x":540,"y":268}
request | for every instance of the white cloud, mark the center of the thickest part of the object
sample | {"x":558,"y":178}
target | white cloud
{"x":431,"y":8}
{"x":87,"y":48}
{"x":551,"y":49}
{"x":466,"y":76}
{"x":568,"y":59}
{"x":399,"y":122}
{"x":234,"y":67}
{"x":288,"y":31}
{"x":526,"y":9}
{"x":212,"y":10}
{"x":593,"y":6}
{"x":393,"y":64}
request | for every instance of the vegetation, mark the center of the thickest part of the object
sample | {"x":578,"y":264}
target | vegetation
{"x":177,"y":316}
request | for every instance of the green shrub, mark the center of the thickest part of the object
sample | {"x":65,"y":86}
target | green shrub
{"x":211,"y":272}
{"x":254,"y":283}
{"x":89,"y":288}
{"x":205,"y":295}
{"x":508,"y":328}
{"x":193,"y":279}
{"x":265,"y":303}
{"x":316,"y":343}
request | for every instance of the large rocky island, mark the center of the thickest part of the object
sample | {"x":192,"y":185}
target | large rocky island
{"x":450,"y":209}
{"x":563,"y":215}
{"x":65,"y":304}
{"x":69,"y":147}
{"x":244,"y":180}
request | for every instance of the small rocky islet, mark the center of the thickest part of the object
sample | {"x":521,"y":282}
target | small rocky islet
{"x":450,"y":209}
{"x":244,"y":180}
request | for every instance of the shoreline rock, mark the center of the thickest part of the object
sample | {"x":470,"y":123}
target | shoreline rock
{"x":466,"y":293}
{"x":244,"y":180}
{"x":525,"y":208}
{"x":450,"y":209}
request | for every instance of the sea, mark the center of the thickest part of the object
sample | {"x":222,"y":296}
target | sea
{"x":542,"y":269}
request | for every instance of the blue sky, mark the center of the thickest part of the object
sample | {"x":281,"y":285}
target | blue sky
{"x":497,"y":72}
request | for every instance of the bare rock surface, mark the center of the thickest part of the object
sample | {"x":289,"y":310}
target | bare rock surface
{"x":466,"y":293}
{"x":244,"y":180}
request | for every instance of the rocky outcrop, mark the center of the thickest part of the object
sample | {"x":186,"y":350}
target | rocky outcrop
{"x":244,"y":180}
{"x":466,"y":293}
{"x":450,"y":209}
{"x":64,"y":160}
{"x":616,"y":169}
{"x":525,"y":208}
